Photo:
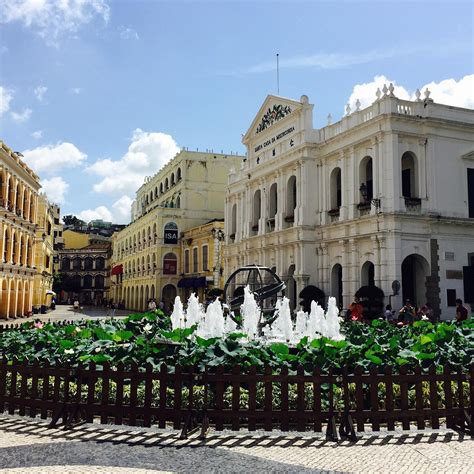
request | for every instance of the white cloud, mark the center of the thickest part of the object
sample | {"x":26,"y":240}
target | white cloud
{"x":365,"y":92}
{"x":55,"y":188}
{"x":38,"y":134}
{"x":76,"y":90}
{"x":100,"y":212}
{"x":324,"y":60}
{"x":50,"y":158}
{"x":122,"y":209}
{"x":147,"y":153}
{"x":129,"y":34}
{"x":449,"y":91}
{"x":39,"y":92}
{"x":23,"y":116}
{"x":6,"y":96}
{"x":51,"y":19}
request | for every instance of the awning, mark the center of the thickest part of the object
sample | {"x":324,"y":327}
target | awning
{"x":191,"y":282}
{"x":117,"y":270}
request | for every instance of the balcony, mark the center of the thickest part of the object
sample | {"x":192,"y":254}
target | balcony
{"x":334,"y":214}
{"x":364,"y":208}
{"x":271,"y":224}
{"x":413,"y":204}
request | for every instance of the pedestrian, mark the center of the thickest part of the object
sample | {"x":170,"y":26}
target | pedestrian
{"x":108,"y":308}
{"x":151,"y":305}
{"x":388,"y":313}
{"x":112,"y":309}
{"x":407,"y":314}
{"x":161,"y":305}
{"x":461,"y":311}
{"x":357,"y":310}
{"x":76,"y":305}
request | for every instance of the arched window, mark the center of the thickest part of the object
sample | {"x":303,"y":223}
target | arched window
{"x":178,"y":201}
{"x":167,"y":184}
{"x":170,"y":264}
{"x":161,"y":188}
{"x":186,"y":261}
{"x":257,"y":209}
{"x":273,"y":201}
{"x":77,"y":265}
{"x":366,"y":180}
{"x":336,"y":283}
{"x":100,"y":263}
{"x":88,"y":263}
{"x":65,"y":264}
{"x":170,"y":233}
{"x":367,"y":274}
{"x":409,"y":182}
{"x":291,"y":199}
{"x":178,"y":175}
{"x":87,"y":281}
{"x":172,"y":179}
{"x":156,"y":192}
{"x":6,"y":247}
{"x":99,"y":281}
{"x":336,"y":193}
{"x":233,"y":222}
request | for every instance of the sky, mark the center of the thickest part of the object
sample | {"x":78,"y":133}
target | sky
{"x":98,"y":94}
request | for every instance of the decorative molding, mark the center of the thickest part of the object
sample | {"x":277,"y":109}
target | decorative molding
{"x":273,"y":115}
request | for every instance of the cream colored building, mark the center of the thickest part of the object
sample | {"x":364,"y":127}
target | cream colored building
{"x":202,"y":259}
{"x":19,"y":187}
{"x":44,"y":254}
{"x":187,"y":192}
{"x":383,"y":197}
{"x":85,"y":268}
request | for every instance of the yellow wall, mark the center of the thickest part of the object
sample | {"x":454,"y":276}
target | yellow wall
{"x":200,"y":193}
{"x":75,"y":240}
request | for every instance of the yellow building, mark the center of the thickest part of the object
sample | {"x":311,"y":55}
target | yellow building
{"x":19,"y":187}
{"x":187,"y":192}
{"x":44,"y":253}
{"x":202,"y":259}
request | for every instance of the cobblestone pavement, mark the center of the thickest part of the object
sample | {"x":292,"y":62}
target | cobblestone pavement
{"x":28,"y":446}
{"x":67,"y":313}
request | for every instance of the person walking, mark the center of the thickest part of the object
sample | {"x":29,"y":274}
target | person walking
{"x":112,"y":309}
{"x":461,"y":311}
{"x":388,"y":313}
{"x":357,"y":310}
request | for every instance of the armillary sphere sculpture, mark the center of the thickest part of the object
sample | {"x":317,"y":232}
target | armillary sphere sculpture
{"x":265,"y":285}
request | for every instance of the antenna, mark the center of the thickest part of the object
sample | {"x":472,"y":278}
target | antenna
{"x":278,"y":74}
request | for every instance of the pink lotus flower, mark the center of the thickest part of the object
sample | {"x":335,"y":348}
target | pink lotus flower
{"x":38,"y":325}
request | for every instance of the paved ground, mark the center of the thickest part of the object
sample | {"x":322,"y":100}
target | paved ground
{"x":28,"y":446}
{"x":67,"y":313}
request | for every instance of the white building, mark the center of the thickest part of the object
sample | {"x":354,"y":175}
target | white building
{"x":384,"y":195}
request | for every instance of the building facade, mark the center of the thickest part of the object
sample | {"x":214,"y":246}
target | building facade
{"x":19,"y":187}
{"x":84,"y":268}
{"x":384,"y":197}
{"x":187,"y":192}
{"x":44,"y":254}
{"x":202,"y":260}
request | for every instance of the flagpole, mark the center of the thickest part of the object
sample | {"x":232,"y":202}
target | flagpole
{"x":278,"y":75}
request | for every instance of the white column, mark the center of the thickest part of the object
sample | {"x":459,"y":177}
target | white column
{"x":344,"y":194}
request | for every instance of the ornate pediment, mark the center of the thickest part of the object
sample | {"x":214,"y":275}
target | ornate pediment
{"x":272,"y":115}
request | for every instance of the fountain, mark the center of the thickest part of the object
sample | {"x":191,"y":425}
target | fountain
{"x":218,"y":320}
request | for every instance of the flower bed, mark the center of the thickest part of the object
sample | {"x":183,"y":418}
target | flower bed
{"x":141,"y":339}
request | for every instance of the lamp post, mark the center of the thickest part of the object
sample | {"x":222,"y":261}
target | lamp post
{"x":218,"y":235}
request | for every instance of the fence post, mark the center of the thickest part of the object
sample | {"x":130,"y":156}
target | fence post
{"x":420,"y":420}
{"x":285,"y":424}
{"x":433,"y":397}
{"x":235,"y":397}
{"x":389,"y":397}
{"x":331,"y":433}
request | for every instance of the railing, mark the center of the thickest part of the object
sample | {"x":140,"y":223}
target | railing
{"x":232,"y":399}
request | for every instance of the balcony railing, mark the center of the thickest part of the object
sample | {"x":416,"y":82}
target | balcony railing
{"x":413,"y":204}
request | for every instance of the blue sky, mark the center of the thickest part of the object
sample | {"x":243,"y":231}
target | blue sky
{"x":98,"y":94}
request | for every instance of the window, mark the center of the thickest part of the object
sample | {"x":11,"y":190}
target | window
{"x":470,"y":191}
{"x":408,"y":175}
{"x":195,"y":260}
{"x":451,"y":295}
{"x":336,"y":193}
{"x":205,"y":263}
{"x":186,"y":261}
{"x":170,"y":264}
